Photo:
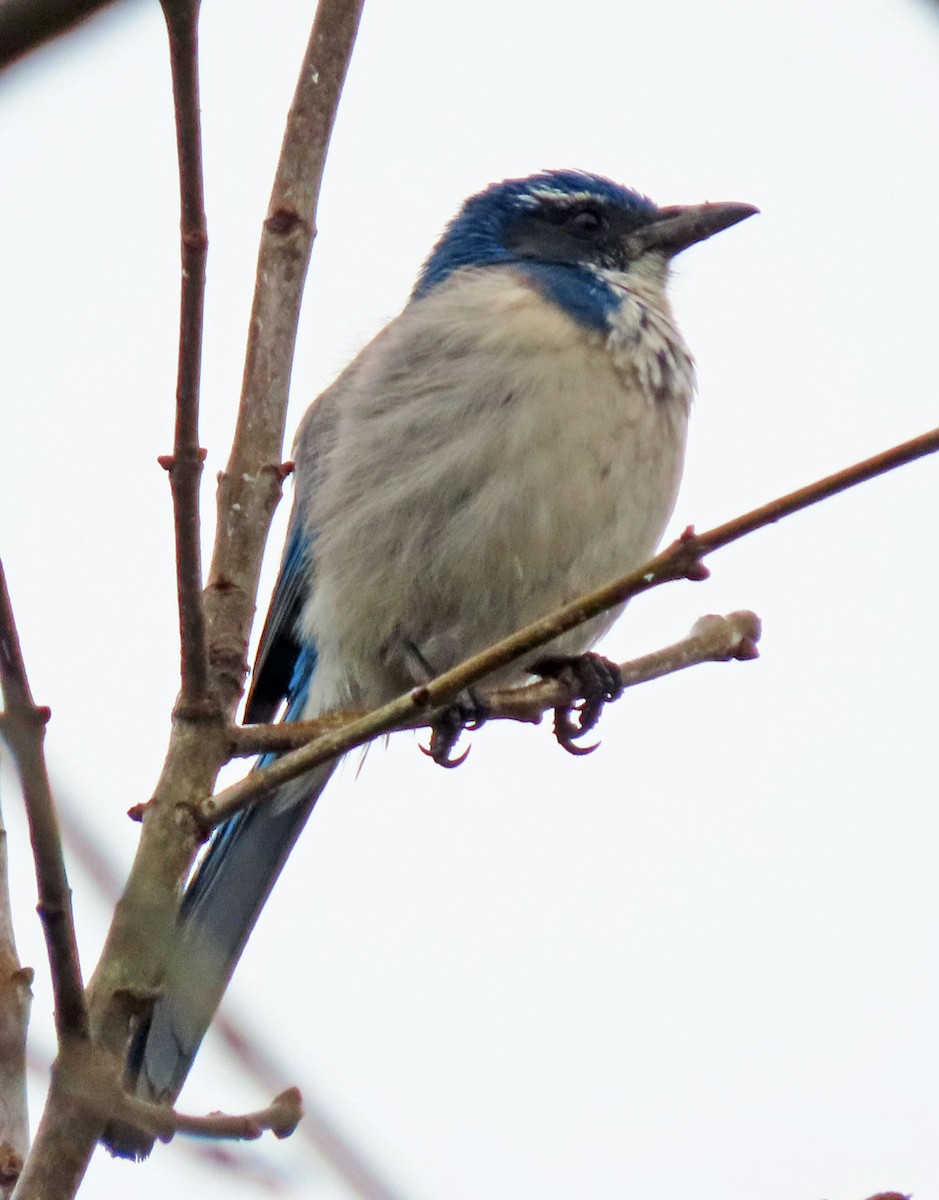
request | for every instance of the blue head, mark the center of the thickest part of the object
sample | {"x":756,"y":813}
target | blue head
{"x":564,"y":230}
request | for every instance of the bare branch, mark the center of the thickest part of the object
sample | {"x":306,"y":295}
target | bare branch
{"x":185,"y":463}
{"x":244,"y":1045}
{"x":91,"y":1088}
{"x":27,"y":24}
{"x":133,"y":959}
{"x":15,"y":998}
{"x":680,"y":560}
{"x":814,"y":493}
{"x":712,"y":639}
{"x":244,"y":1167}
{"x":251,"y":485}
{"x":248,"y":492}
{"x":281,"y":1117}
{"x":24,"y":730}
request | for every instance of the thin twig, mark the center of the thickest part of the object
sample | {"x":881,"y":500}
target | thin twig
{"x":244,"y":1167}
{"x":15,"y":998}
{"x":134,"y":955}
{"x":281,"y":1117}
{"x":713,"y":639}
{"x":243,"y":1043}
{"x":251,"y":484}
{"x":24,"y":730}
{"x":680,"y":560}
{"x":814,"y":493}
{"x":184,"y":465}
{"x":90,"y":1086}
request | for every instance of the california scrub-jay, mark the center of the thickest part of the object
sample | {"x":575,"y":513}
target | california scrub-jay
{"x":513,"y":439}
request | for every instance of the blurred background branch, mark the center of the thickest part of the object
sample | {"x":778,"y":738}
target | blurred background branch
{"x":25,"y":25}
{"x":245,"y":1047}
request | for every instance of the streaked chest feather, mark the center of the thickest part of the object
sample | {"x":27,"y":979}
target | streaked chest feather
{"x":645,"y":342}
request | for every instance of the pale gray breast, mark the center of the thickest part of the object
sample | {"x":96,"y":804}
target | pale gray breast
{"x":489,"y":461}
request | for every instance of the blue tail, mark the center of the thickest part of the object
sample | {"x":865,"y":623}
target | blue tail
{"x":225,"y":896}
{"x":217,"y":915}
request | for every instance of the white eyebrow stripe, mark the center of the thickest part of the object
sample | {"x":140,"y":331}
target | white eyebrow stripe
{"x":551,"y":193}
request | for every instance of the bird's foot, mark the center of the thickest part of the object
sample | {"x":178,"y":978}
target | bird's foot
{"x":468,"y":712}
{"x":591,"y":681}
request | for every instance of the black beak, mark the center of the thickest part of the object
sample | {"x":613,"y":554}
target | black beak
{"x":674,"y":229}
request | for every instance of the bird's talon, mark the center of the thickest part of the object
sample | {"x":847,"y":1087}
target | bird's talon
{"x":468,"y":714}
{"x":577,"y":751}
{"x":441,"y":748}
{"x":592,"y":682}
{"x":567,"y":731}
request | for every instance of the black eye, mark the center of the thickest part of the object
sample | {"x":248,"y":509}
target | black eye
{"x":586,"y":221}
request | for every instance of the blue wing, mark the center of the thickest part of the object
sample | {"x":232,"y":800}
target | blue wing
{"x":279,"y":648}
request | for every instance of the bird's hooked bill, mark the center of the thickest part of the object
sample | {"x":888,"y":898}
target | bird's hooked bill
{"x":673,"y":229}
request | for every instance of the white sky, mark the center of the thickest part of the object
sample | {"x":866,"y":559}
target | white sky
{"x":704,"y":960}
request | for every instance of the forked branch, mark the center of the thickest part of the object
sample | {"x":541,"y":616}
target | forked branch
{"x":184,"y":465}
{"x":712,"y":639}
{"x":248,"y":492}
{"x":683,"y":559}
{"x":24,"y":724}
{"x":281,"y":1117}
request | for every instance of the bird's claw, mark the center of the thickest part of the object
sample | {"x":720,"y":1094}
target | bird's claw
{"x":446,"y":728}
{"x":592,"y":681}
{"x":443,"y":739}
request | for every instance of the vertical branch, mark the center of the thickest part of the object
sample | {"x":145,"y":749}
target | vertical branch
{"x":185,"y":463}
{"x":250,"y":487}
{"x":15,"y":997}
{"x":24,"y":727}
{"x":135,"y":952}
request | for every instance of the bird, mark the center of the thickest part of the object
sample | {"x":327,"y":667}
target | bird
{"x":512,"y":439}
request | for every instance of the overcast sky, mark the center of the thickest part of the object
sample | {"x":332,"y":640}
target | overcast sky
{"x":704,"y":960}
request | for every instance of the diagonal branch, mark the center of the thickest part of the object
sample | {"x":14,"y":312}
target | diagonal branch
{"x":680,"y":560}
{"x":184,"y":465}
{"x":27,"y":24}
{"x":712,"y":639}
{"x":24,"y":726}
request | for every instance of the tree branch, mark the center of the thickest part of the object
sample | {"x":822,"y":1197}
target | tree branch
{"x":133,"y":961}
{"x":243,"y":1168}
{"x":24,"y":729}
{"x":15,"y":998}
{"x":712,"y":639}
{"x":680,"y":560}
{"x":184,"y":465}
{"x":281,"y":1117}
{"x":243,"y":1043}
{"x":251,"y":484}
{"x":27,"y":24}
